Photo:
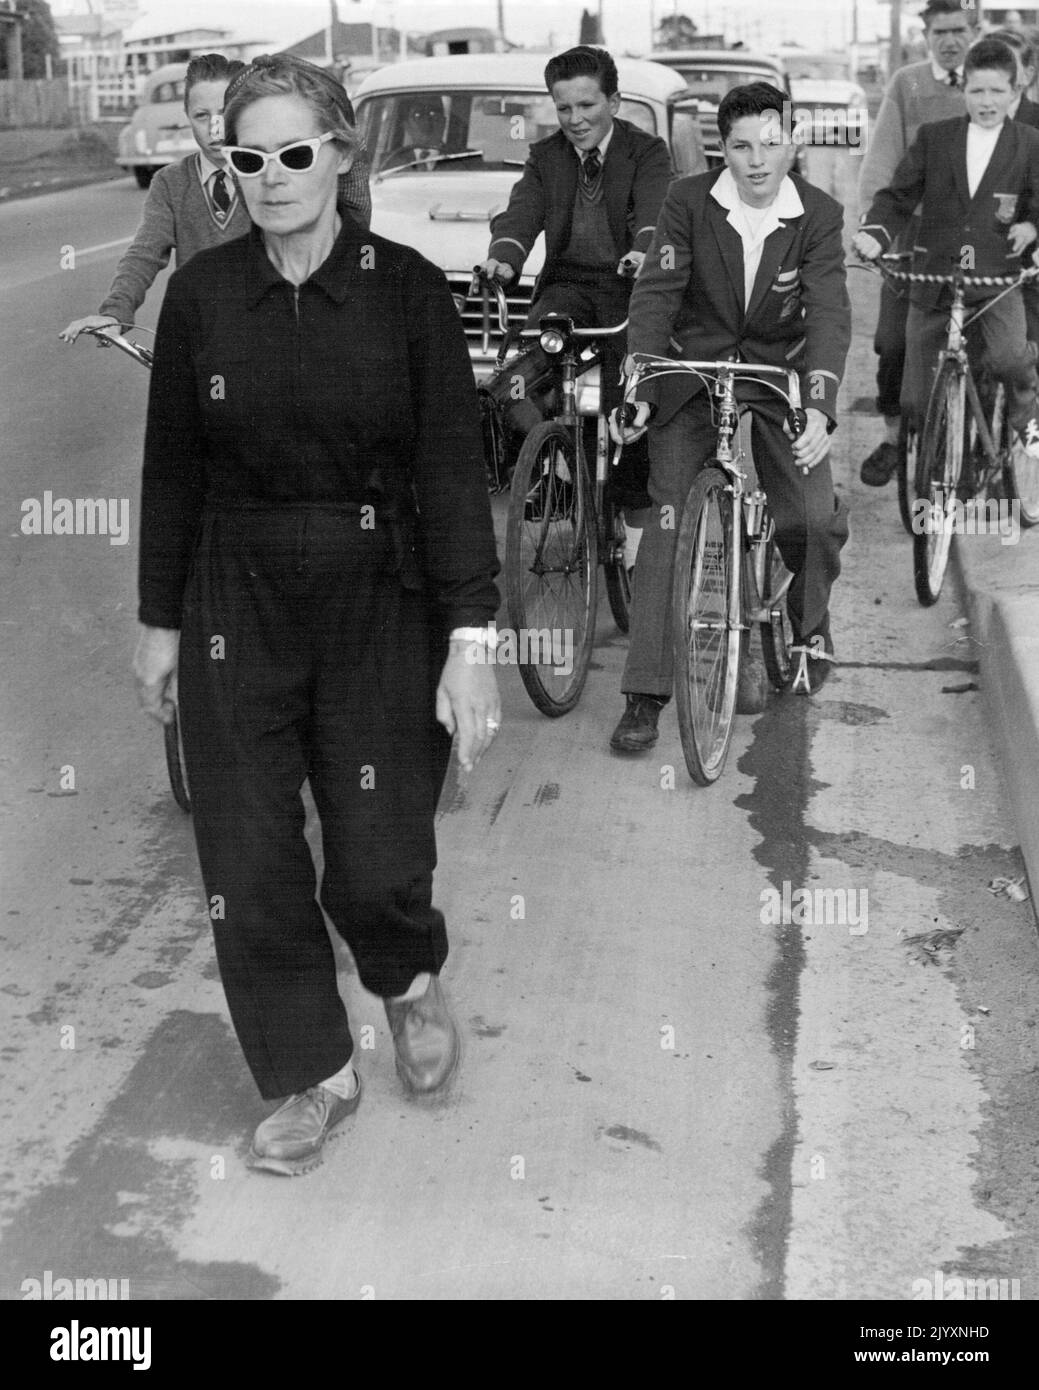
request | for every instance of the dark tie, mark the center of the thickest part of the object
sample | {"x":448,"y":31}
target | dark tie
{"x":591,"y":166}
{"x":954,"y":80}
{"x":221,"y":198}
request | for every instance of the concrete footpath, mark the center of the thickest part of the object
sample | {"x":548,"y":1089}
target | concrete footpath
{"x":1000,"y":588}
{"x":998,"y":583}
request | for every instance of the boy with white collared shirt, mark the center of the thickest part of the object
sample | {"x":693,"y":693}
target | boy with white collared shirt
{"x":745,"y":265}
{"x":976,"y":180}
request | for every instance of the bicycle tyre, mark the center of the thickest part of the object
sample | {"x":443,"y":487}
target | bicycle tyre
{"x":777,"y":633}
{"x":618,"y":584}
{"x":906,"y":473}
{"x":707,"y":646}
{"x":175,"y":765}
{"x":1020,"y":473}
{"x":552,"y":566}
{"x":941,"y":465}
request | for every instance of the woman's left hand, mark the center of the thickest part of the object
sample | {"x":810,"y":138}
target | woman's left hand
{"x":468,"y":702}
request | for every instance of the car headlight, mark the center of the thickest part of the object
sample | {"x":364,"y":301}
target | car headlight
{"x":552,"y":340}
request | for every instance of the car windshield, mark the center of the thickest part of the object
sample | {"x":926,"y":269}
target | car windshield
{"x":429,"y":130}
{"x":829,"y":69}
{"x":711,"y":84}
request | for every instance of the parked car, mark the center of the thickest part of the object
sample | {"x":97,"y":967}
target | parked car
{"x":710,"y":73}
{"x":487,"y":109}
{"x":823,"y":83}
{"x":159,"y":132}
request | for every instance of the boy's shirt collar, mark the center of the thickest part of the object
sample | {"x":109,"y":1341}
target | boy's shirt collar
{"x":787,"y":202}
{"x":941,"y":74}
{"x":602,"y":146}
{"x":206,"y":168}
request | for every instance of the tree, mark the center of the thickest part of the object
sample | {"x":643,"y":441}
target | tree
{"x":38,"y":39}
{"x":590,"y":32}
{"x":676,"y":31}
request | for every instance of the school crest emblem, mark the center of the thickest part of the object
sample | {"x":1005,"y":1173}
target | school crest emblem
{"x":1006,"y":207}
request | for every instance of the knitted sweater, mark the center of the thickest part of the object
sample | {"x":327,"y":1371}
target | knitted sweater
{"x":177,"y":217}
{"x":913,"y":98}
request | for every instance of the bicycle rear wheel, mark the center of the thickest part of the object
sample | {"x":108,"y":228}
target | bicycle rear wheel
{"x":706,"y":641}
{"x":772,"y":579}
{"x":906,"y":473}
{"x":1020,"y":473}
{"x":618,"y":584}
{"x":941,"y":464}
{"x":551,"y":568}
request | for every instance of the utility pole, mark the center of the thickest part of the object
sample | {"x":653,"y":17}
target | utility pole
{"x":894,"y":57}
{"x":501,"y":18}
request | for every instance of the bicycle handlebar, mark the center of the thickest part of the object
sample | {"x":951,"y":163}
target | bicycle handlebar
{"x":107,"y":337}
{"x":920,"y":278}
{"x":580,"y":332}
{"x":486,"y":283}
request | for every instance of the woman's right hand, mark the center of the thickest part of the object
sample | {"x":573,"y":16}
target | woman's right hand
{"x":77,"y":326}
{"x":155,"y":669}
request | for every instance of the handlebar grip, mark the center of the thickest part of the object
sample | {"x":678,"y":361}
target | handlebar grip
{"x":797,"y":420}
{"x":630,"y":269}
{"x":627,"y":414}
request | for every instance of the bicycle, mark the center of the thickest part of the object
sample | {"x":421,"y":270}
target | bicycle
{"x":562,"y":524}
{"x":965,"y":450}
{"x":728,"y":573}
{"x":173,"y":746}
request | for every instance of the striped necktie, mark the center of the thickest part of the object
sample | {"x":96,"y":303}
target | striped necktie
{"x":221,"y":198}
{"x":591,"y":167}
{"x":954,"y":78}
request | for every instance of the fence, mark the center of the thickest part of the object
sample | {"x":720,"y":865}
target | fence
{"x":34,"y":103}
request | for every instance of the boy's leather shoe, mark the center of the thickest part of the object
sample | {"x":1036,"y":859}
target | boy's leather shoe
{"x":879,"y":467}
{"x":425,"y":1039}
{"x":637,"y":729}
{"x":813,"y":661}
{"x":290,"y":1141}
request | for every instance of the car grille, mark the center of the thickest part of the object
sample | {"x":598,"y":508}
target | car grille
{"x":519,"y":298}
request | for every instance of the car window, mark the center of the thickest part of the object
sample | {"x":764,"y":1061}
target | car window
{"x":168,"y":91}
{"x":711,"y":84}
{"x":487,"y":130}
{"x":687,"y":153}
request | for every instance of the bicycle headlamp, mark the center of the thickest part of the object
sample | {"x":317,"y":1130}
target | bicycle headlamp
{"x":552,"y":340}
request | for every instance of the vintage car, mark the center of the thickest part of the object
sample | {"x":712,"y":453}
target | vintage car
{"x":482,"y":111}
{"x":711,"y":72}
{"x":159,"y":132}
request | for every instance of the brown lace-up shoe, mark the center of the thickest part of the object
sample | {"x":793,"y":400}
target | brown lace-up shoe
{"x":426,"y":1040}
{"x":290,"y":1141}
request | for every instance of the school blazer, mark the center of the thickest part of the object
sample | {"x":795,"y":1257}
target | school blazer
{"x":956,"y":229}
{"x":636,"y":173}
{"x":689,"y":298}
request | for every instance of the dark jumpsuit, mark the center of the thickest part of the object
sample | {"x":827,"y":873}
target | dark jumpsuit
{"x":315,"y":520}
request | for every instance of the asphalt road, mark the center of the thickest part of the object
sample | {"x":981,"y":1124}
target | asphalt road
{"x":661,"y":1096}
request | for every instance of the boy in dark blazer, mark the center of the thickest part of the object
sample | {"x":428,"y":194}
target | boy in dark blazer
{"x":746,"y":264}
{"x":977,"y":177}
{"x":594,"y":188}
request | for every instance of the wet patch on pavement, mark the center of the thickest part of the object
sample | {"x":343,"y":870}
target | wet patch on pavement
{"x":188,"y":1084}
{"x":779,"y":766}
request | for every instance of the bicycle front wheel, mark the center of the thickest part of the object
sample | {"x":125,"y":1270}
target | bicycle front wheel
{"x":941,"y":464}
{"x":551,"y":568}
{"x":906,"y":473}
{"x":706,"y":639}
{"x":618,"y":584}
